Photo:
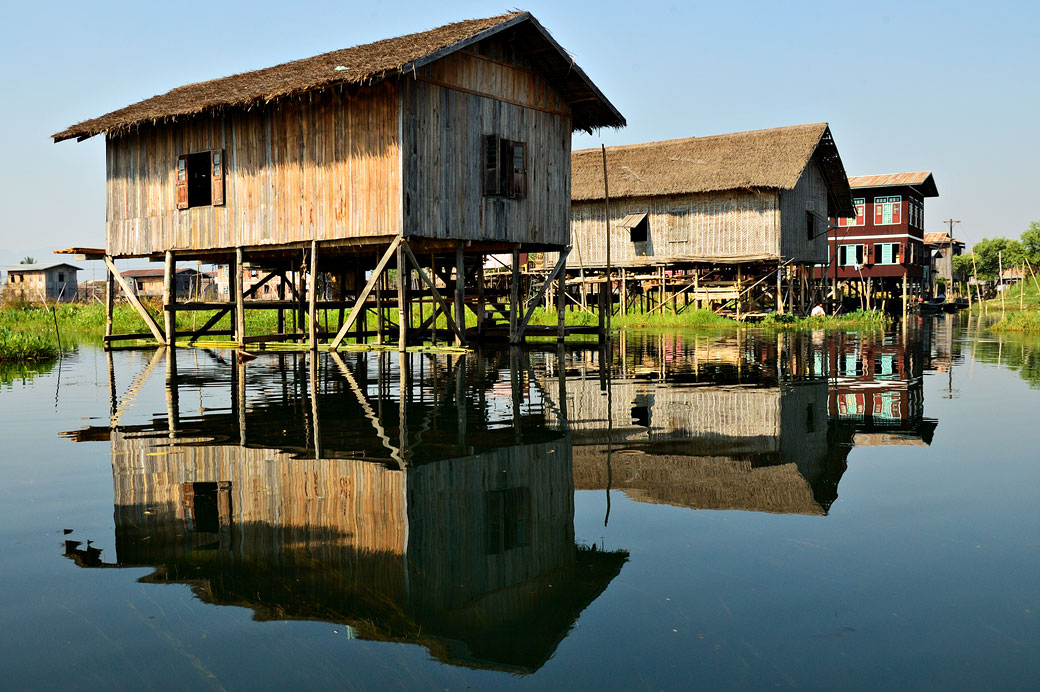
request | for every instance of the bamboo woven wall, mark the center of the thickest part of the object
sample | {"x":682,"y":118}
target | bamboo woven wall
{"x":808,"y":196}
{"x":726,"y":226}
{"x":320,"y":167}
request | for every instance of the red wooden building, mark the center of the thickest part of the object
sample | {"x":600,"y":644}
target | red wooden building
{"x":879,"y":254}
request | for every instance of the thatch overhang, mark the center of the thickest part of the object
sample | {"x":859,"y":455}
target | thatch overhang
{"x":922,"y":181}
{"x":759,"y":159}
{"x":366,"y":65}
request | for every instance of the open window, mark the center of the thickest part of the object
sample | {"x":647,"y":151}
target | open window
{"x":200,"y":179}
{"x":508,"y":517}
{"x":638,"y":226}
{"x":505,"y":167}
{"x":208,"y":505}
{"x":810,"y":226}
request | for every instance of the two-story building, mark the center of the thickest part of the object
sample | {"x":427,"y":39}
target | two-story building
{"x":878,"y":256}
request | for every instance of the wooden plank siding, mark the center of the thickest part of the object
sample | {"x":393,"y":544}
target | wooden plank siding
{"x":448,"y":108}
{"x":404,"y":155}
{"x":321,"y":167}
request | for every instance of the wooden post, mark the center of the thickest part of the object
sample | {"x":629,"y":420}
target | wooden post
{"x":514,"y":297}
{"x":312,"y":298}
{"x":170,"y":298}
{"x":480,"y":298}
{"x":697,"y":289}
{"x":402,"y":307}
{"x":779,"y":290}
{"x":623,"y":309}
{"x":110,"y":297}
{"x":460,"y":294}
{"x":240,"y":311}
{"x":380,"y":280}
{"x":904,"y":296}
{"x":740,"y":297}
{"x":606,"y":209}
{"x":281,"y":296}
{"x":561,"y":305}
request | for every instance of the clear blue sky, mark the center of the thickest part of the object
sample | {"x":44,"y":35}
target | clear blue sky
{"x":950,"y":87}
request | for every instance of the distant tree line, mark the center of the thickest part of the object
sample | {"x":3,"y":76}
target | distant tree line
{"x":989,"y":254}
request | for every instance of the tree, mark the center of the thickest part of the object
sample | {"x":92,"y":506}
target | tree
{"x":28,"y":260}
{"x":990,"y":252}
{"x":962,"y":265}
{"x":1031,"y":243}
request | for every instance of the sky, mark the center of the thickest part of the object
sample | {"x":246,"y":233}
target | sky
{"x":948,"y":87}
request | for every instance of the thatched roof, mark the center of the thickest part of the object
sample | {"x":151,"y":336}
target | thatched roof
{"x":772,"y":159}
{"x":362,"y":65}
{"x":922,"y":180}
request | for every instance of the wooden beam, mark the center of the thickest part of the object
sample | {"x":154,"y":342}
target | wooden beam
{"x":312,"y":289}
{"x":110,"y":296}
{"x":170,"y":297}
{"x":240,"y":310}
{"x":130,"y":296}
{"x":560,"y":264}
{"x":403,"y":317}
{"x":370,"y":414}
{"x":433,"y":291}
{"x":514,"y":297}
{"x":359,"y":304}
{"x":460,"y":294}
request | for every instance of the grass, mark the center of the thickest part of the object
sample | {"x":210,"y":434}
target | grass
{"x":1021,"y":309}
{"x":17,"y":346}
{"x":860,"y":319}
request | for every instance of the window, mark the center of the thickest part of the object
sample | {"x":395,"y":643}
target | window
{"x":638,"y":226}
{"x":200,"y":179}
{"x":861,"y":214}
{"x":641,"y":416}
{"x":810,"y":226}
{"x":208,"y":505}
{"x":505,"y":167}
{"x":61,"y":277}
{"x":507,"y":516}
{"x":886,"y":253}
{"x":888,"y":211}
{"x":850,"y":255}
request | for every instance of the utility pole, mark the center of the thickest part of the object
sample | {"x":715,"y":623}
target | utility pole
{"x":952,"y":221}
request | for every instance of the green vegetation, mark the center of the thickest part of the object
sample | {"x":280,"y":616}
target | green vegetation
{"x":860,"y":319}
{"x":23,"y":346}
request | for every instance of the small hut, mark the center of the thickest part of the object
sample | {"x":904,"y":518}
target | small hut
{"x":708,"y":219}
{"x":424,"y":152}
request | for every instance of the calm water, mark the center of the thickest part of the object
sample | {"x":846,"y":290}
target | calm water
{"x":745,"y":511}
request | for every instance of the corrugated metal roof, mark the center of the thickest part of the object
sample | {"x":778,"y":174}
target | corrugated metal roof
{"x":39,"y":267}
{"x":919,"y":179}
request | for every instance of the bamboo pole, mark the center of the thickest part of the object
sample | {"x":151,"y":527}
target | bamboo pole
{"x":240,"y":310}
{"x":460,"y":296}
{"x":170,"y":297}
{"x":312,"y":298}
{"x":110,"y":296}
{"x":606,"y":208}
{"x":1000,"y":281}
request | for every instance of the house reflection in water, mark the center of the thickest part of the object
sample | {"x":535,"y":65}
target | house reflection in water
{"x":304,"y":503}
{"x":760,"y":422}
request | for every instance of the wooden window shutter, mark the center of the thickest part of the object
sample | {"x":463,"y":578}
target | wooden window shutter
{"x":878,"y":212}
{"x":216,"y":180}
{"x":492,"y":175}
{"x":518,"y":152}
{"x":182,"y":181}
{"x":897,"y":210}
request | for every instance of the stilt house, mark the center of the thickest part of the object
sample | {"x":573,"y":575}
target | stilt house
{"x":442,"y":145}
{"x":728,"y":207}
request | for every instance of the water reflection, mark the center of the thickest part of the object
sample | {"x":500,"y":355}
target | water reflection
{"x":430,"y":499}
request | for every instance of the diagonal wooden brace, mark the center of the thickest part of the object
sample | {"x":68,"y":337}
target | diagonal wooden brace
{"x":223,"y":311}
{"x":560,"y":264}
{"x":433,"y":290}
{"x":359,"y":305}
{"x":130,"y":296}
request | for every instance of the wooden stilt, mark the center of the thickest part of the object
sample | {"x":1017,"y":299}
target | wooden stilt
{"x":170,"y":298}
{"x":779,"y":290}
{"x":377,"y":273}
{"x":481,"y":311}
{"x":514,"y":298}
{"x":561,"y":305}
{"x":281,"y":310}
{"x":240,"y":310}
{"x":110,"y":296}
{"x":380,"y":317}
{"x":312,"y":298}
{"x":402,"y":309}
{"x":460,"y":295}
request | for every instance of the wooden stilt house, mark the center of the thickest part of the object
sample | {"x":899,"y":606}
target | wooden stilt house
{"x":710,"y":217}
{"x":423,"y":152}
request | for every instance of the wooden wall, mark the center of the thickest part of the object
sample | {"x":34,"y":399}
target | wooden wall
{"x":724,"y":226}
{"x":809,"y":191}
{"x":321,"y":167}
{"x":328,"y":165}
{"x":448,"y":109}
